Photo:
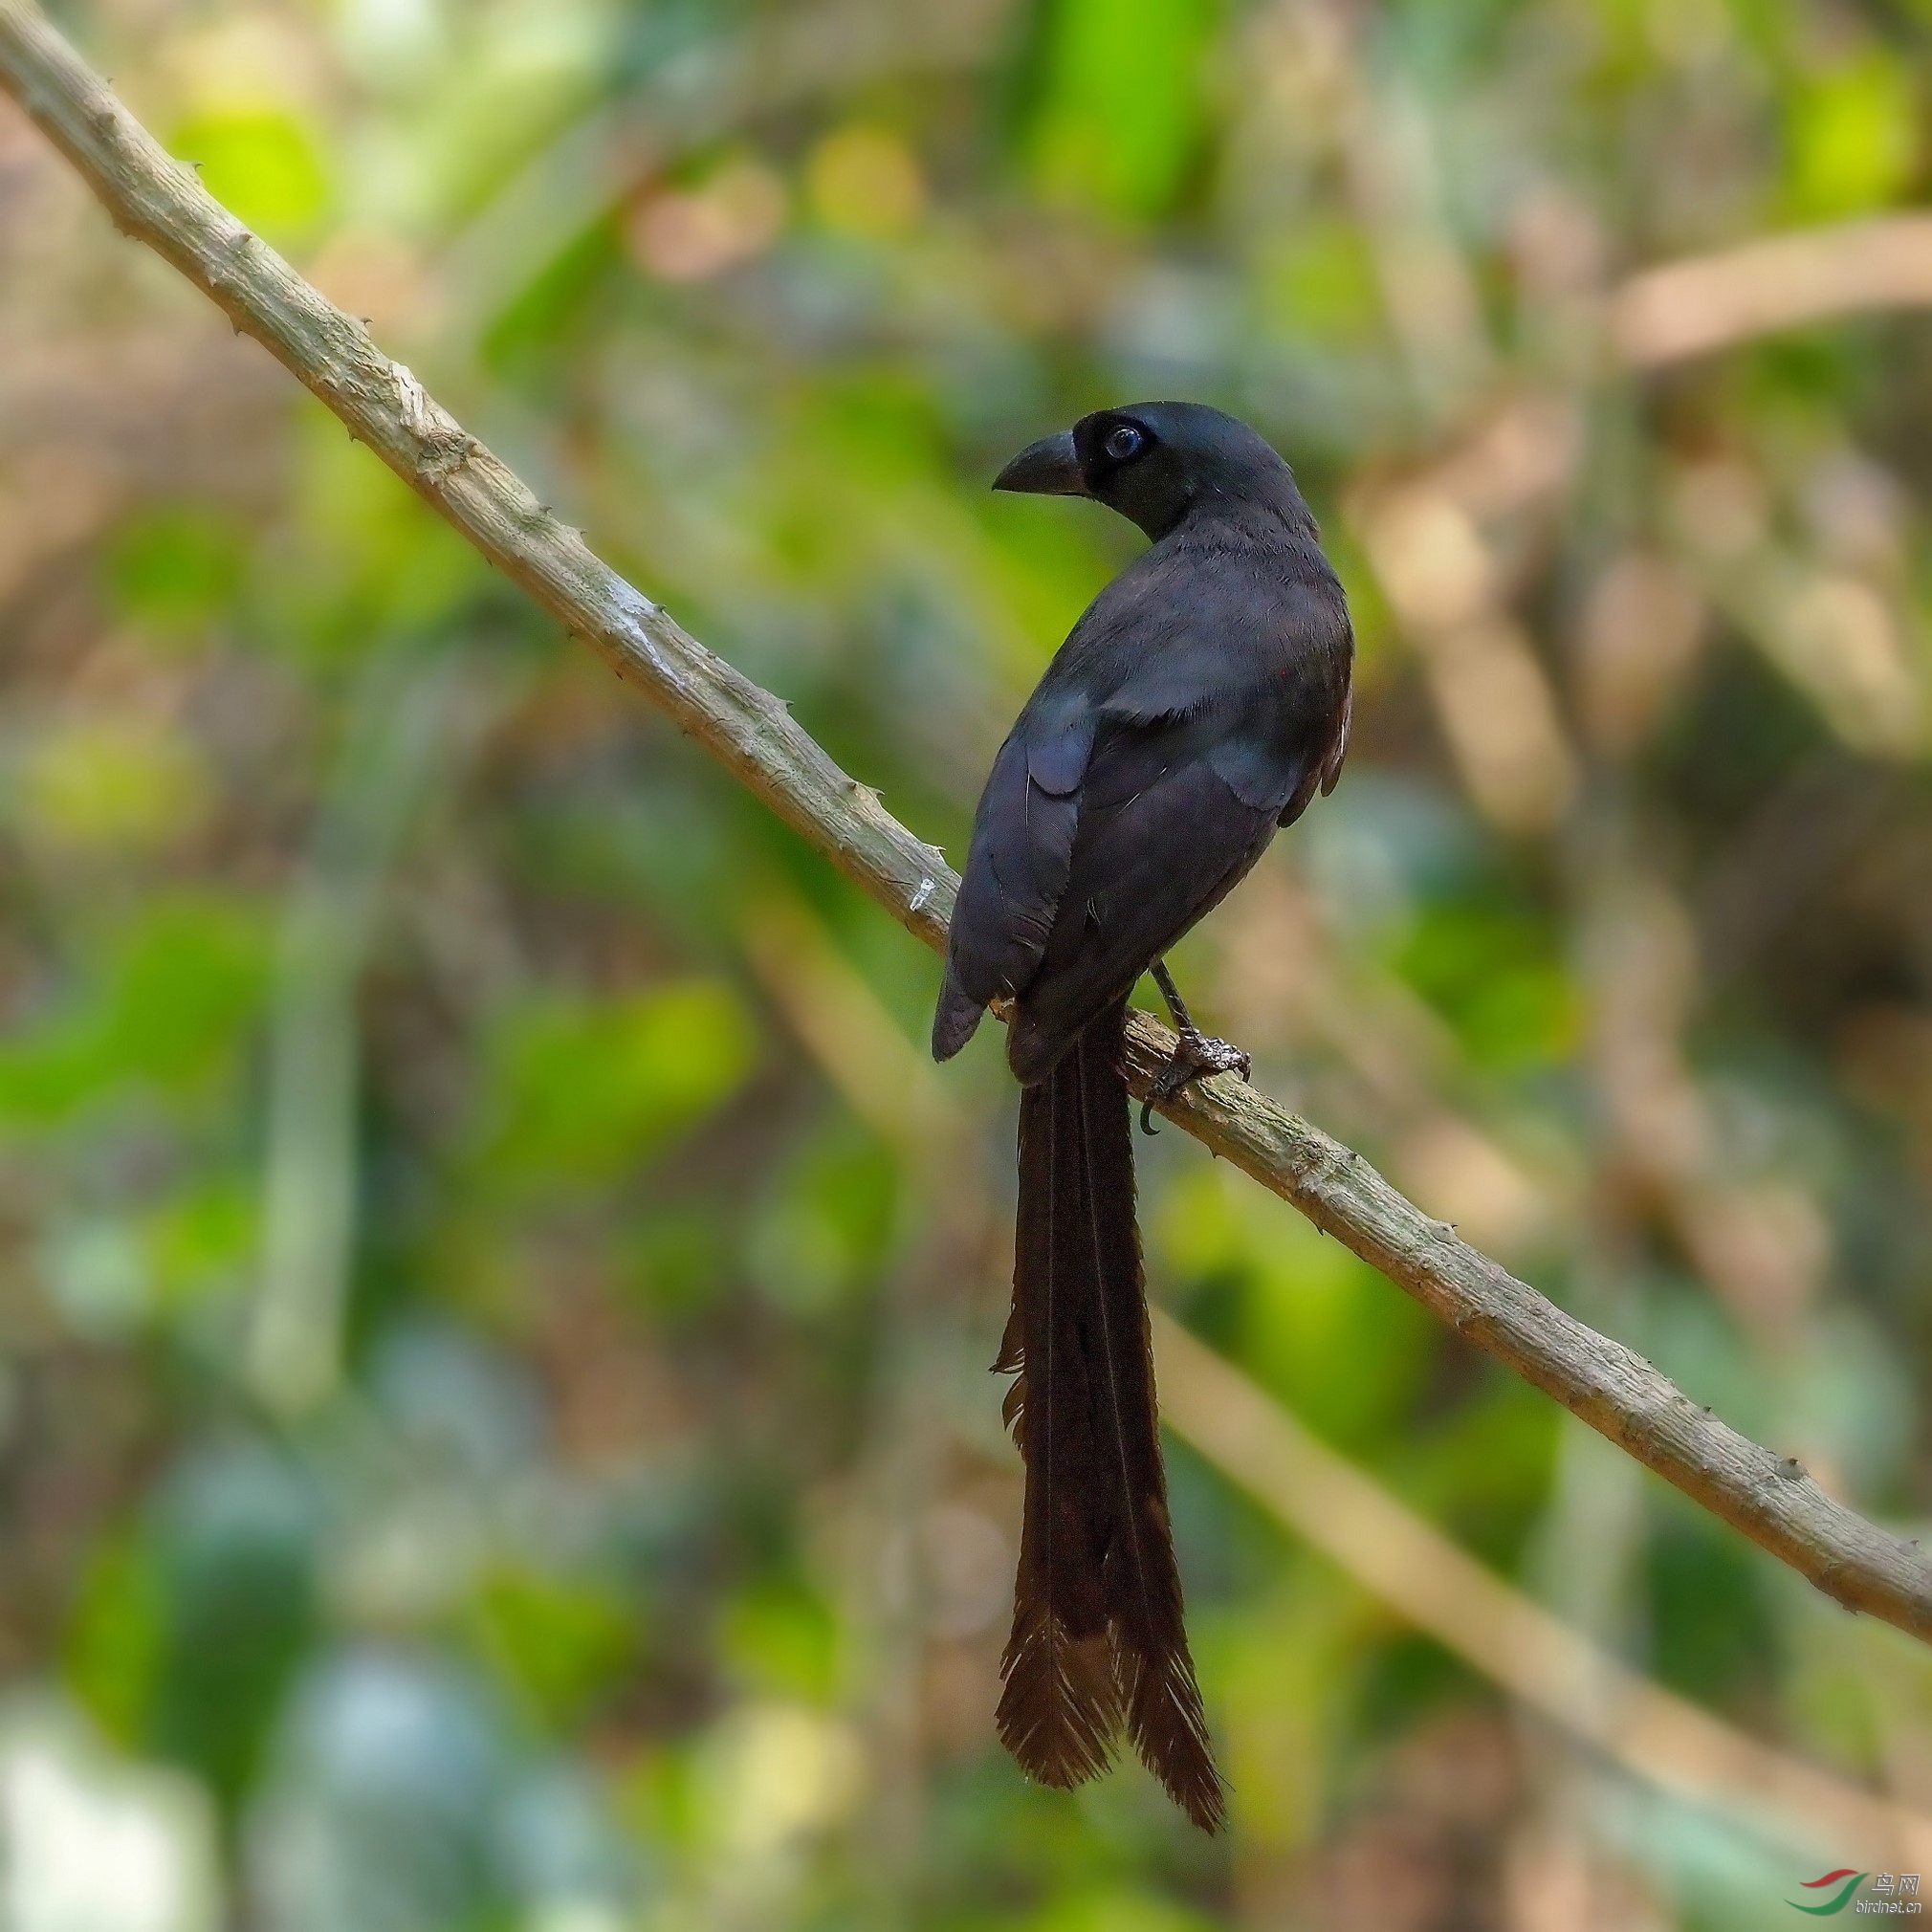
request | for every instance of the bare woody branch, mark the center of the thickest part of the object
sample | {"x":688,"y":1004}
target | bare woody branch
{"x":151,"y":196}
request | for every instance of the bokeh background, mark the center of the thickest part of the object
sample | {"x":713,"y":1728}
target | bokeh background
{"x":493,"y":1421}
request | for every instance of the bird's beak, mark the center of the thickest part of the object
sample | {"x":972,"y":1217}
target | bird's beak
{"x":1047,"y":468}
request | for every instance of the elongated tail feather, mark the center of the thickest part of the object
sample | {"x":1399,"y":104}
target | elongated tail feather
{"x":1140,"y":1579}
{"x":1060,"y":1710}
{"x":1098,"y":1642}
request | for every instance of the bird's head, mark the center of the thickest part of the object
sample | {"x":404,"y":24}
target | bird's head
{"x":1158,"y":462}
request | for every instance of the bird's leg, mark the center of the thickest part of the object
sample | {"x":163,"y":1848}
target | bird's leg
{"x":1194,"y":1053}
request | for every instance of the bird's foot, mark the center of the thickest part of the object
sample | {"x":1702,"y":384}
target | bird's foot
{"x":1196,"y":1055}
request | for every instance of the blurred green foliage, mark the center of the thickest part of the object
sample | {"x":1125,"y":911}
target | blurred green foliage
{"x":493,"y":1426}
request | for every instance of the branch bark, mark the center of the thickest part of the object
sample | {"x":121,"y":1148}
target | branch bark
{"x":161,"y":203}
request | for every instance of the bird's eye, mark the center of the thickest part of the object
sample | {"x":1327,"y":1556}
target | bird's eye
{"x":1124,"y":443}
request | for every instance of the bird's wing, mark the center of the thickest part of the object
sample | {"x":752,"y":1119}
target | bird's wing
{"x":1015,"y":867}
{"x":1190,"y":711}
{"x":1163,"y":835}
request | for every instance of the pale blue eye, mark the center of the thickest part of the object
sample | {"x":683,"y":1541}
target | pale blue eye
{"x":1123,"y":442}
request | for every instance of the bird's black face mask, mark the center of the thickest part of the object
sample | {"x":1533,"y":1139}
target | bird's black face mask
{"x":1113,"y":456}
{"x":1149,"y":462}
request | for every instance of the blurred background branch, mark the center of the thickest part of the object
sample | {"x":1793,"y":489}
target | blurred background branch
{"x":400,"y":730}
{"x":1716,"y":301}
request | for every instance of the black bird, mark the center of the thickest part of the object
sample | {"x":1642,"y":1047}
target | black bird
{"x":1198,"y":703}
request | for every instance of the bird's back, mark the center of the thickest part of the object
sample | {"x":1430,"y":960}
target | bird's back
{"x":1174,"y":730}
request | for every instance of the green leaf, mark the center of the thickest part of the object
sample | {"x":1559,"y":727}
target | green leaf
{"x":1300,"y":1313}
{"x":1319,"y":283}
{"x":262,"y":163}
{"x":168,"y":1010}
{"x":782,"y":1640}
{"x":1121,"y":118}
{"x":1854,"y":138}
{"x":113,"y":1643}
{"x":111,"y":784}
{"x":827,"y":1229}
{"x":1489,"y":970}
{"x":583,"y":1090}
{"x":173,"y":568}
{"x":556,"y":1641}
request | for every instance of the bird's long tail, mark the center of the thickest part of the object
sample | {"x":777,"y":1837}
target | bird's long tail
{"x":1098,"y":1644}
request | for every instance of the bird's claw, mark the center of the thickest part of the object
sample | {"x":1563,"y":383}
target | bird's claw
{"x":1194,"y":1057}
